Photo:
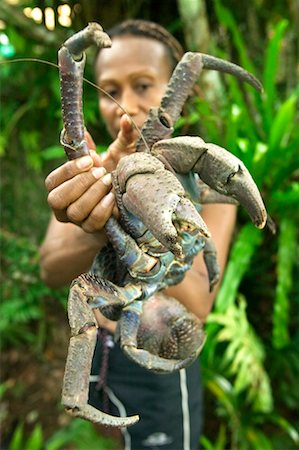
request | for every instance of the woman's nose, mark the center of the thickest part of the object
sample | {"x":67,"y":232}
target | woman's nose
{"x":128,"y":103}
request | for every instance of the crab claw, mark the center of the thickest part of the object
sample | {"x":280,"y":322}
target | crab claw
{"x":228,"y":175}
{"x":218,"y":168}
{"x":143,"y":180}
{"x":155,"y":363}
{"x":160,"y":334}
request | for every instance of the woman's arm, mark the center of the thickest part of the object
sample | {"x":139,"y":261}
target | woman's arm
{"x":67,"y":251}
{"x":81,"y":199}
{"x":76,"y":197}
{"x":193,"y":291}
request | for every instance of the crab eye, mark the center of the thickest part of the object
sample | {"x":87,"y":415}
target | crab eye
{"x":232,"y":174}
{"x":230,"y":177}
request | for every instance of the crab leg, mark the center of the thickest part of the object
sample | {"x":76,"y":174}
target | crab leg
{"x":160,"y":122}
{"x":218,"y":168}
{"x":131,"y":340}
{"x":78,"y":365}
{"x":142,"y":179}
{"x":71,"y":59}
{"x":82,"y":322}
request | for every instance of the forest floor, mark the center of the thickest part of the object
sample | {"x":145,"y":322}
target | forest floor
{"x":32,"y":383}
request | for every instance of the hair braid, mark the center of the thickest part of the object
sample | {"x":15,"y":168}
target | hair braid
{"x":151,"y":30}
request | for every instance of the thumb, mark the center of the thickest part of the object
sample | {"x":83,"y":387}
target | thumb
{"x":89,"y":140}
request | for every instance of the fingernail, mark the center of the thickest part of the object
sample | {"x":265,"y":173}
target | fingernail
{"x":107,"y":179}
{"x":84,"y":162}
{"x":108,"y":200}
{"x":98,"y":172}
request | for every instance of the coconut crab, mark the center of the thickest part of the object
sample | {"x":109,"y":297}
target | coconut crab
{"x":152,"y":245}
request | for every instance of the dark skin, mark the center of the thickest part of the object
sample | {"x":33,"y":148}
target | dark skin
{"x":135,"y":71}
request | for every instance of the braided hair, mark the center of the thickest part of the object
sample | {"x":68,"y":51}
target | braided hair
{"x":151,"y":30}
{"x":174,"y":50}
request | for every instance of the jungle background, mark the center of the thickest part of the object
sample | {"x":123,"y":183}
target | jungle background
{"x":250,"y":362}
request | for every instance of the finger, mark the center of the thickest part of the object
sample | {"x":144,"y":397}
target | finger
{"x":78,"y":211}
{"x":97,"y":158}
{"x":67,"y":171}
{"x":61,"y":215}
{"x":89,"y":140}
{"x":71,"y":190}
{"x":99,"y":215}
{"x":123,"y":145}
{"x":126,"y":133}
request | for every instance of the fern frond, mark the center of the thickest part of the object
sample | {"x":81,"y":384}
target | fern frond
{"x":244,"y":355}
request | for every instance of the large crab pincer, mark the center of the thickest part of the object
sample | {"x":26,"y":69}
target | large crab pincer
{"x":159,"y":191}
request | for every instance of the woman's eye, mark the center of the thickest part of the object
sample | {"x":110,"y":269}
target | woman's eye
{"x":112,"y":92}
{"x":143,"y":87}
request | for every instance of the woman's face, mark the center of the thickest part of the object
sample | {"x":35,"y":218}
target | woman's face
{"x":135,"y":71}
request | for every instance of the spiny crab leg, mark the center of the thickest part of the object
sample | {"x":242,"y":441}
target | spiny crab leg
{"x":80,"y":352}
{"x":218,"y":168}
{"x":160,"y":122}
{"x":71,"y":59}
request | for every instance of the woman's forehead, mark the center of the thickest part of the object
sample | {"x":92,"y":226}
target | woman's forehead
{"x":132,"y":50}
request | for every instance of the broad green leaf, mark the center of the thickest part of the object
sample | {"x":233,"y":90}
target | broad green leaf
{"x":258,"y":440}
{"x":220,"y":442}
{"x":206,"y":444}
{"x":288,"y":236}
{"x":289,"y":198}
{"x":246,"y":243}
{"x":53,"y":152}
{"x":226,"y":18}
{"x":17,"y":438}
{"x":282,"y":123}
{"x":270,"y":71}
{"x":35,"y":440}
{"x":222,"y":389}
{"x":286,"y":426}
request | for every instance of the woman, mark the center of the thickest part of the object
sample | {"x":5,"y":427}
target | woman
{"x":135,"y":71}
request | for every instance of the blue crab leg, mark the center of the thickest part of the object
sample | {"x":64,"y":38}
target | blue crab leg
{"x":127,"y":250}
{"x":210,"y":259}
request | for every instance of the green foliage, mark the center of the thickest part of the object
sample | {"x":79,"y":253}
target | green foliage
{"x":22,"y":309}
{"x":285,"y":262}
{"x":250,"y":360}
{"x":79,"y":434}
{"x":82,"y":435}
{"x":245,"y":244}
{"x":33,"y":442}
{"x":243,"y":356}
{"x":242,"y":359}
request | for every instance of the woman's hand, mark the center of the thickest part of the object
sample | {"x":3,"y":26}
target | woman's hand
{"x":123,"y":145}
{"x":80,"y":190}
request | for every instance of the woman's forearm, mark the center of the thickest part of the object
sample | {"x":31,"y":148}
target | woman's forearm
{"x":194,"y":291}
{"x":67,"y":251}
